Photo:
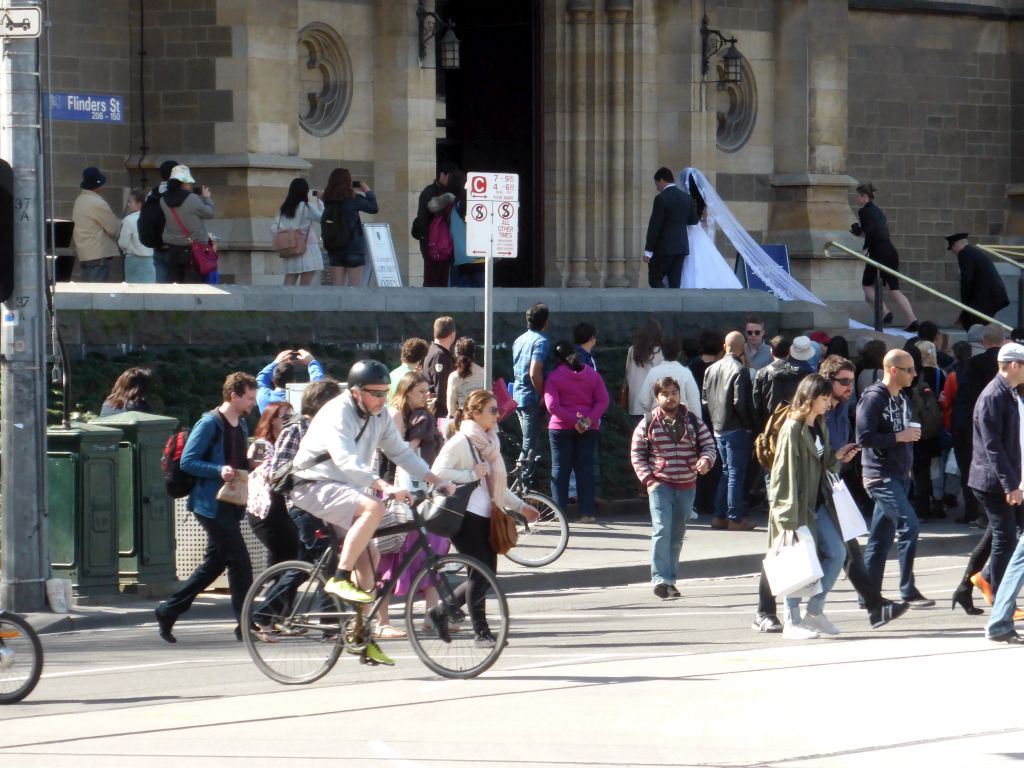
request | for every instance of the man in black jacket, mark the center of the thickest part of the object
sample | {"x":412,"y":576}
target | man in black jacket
{"x":151,"y":222}
{"x":439,"y":363}
{"x":981,"y":286}
{"x":728,"y":397}
{"x":667,"y":243}
{"x":777,"y":382}
{"x":435,"y":274}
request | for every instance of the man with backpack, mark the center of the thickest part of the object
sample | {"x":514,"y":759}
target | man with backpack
{"x":214,"y":451}
{"x":435,"y":273}
{"x":671,"y":446}
{"x":151,"y":222}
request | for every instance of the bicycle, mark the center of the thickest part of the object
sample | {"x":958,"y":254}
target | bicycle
{"x":21,"y":658}
{"x":544,"y":540}
{"x":297,"y":631}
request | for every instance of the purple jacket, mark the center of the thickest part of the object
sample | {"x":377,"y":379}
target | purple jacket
{"x":568,"y":393}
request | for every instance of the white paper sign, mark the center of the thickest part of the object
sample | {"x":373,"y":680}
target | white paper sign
{"x":382,"y":254}
{"x":492,"y":216}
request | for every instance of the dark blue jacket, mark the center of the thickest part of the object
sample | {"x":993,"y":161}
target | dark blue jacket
{"x":666,"y":231}
{"x":995,"y":466}
{"x":879,"y":417}
{"x":202,"y":457}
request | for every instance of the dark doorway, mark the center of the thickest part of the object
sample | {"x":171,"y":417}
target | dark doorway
{"x":492,"y":113}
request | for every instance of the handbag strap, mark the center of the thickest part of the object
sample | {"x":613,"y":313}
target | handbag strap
{"x":185,"y":232}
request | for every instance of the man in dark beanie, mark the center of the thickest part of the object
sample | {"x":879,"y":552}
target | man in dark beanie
{"x":96,"y":229}
{"x":151,"y":222}
{"x":981,"y":286}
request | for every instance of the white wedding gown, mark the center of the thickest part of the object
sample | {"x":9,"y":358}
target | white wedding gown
{"x":705,"y":267}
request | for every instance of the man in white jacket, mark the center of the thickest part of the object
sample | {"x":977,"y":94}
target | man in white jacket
{"x":334,"y":477}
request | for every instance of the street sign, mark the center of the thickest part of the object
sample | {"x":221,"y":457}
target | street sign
{"x":20,"y":22}
{"x":85,"y":107}
{"x":492,"y":217}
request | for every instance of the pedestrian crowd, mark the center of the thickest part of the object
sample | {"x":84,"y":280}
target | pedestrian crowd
{"x":802,"y":433}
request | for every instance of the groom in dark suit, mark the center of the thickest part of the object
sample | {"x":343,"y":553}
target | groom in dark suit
{"x":667,"y":244}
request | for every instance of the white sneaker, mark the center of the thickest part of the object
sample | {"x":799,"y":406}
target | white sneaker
{"x":798,"y":632}
{"x":821,"y":624}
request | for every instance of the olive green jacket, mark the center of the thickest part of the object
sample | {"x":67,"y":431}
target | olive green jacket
{"x":797,"y":474}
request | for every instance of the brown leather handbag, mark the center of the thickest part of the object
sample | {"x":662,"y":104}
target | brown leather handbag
{"x":504,"y":535}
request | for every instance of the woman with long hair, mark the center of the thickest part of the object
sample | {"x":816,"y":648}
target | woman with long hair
{"x":129,"y":393}
{"x":296,"y":213}
{"x":798,"y":496}
{"x":467,"y":376}
{"x":576,"y":398}
{"x":874,"y":228}
{"x":275,"y":528}
{"x":343,"y":200}
{"x":870,"y":369}
{"x":473,"y":455}
{"x":644,"y":354}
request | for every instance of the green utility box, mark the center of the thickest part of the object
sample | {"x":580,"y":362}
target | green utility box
{"x":82,"y":465}
{"x":145,"y":527}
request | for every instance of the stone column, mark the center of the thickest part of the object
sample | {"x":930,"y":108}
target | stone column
{"x":812,"y":188}
{"x":1013,"y":226}
{"x":581,"y":13}
{"x":619,"y":12}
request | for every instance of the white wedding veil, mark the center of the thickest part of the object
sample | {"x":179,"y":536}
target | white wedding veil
{"x":781,"y":283}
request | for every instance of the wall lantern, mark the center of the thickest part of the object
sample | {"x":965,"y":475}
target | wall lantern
{"x":711,"y":42}
{"x":430,"y":24}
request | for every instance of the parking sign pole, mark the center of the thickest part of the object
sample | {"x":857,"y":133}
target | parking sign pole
{"x":25,"y":558}
{"x":489,"y":318}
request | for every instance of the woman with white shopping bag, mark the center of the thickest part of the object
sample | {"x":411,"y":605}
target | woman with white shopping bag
{"x":798,"y":496}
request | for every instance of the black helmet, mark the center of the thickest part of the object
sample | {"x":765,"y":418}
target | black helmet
{"x":365,"y":372}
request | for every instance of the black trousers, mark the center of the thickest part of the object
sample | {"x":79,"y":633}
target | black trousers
{"x":1001,"y":534}
{"x":474,"y":540}
{"x":963,"y":448}
{"x":661,"y":266}
{"x":276,"y":532}
{"x":225,"y":548}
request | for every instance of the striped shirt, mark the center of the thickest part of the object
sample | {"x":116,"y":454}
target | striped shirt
{"x":658,"y":458}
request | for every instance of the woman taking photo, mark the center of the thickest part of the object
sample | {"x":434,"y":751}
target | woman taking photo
{"x":797,"y":496}
{"x":185,"y":215}
{"x":473,"y":454}
{"x":467,"y":376}
{"x":576,"y":398}
{"x":874,"y":228}
{"x":297,"y":214}
{"x":270,"y":522}
{"x":343,"y":200}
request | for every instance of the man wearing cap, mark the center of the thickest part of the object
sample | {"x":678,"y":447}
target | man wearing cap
{"x":995,"y":476}
{"x":184,"y":220}
{"x":981,"y":286}
{"x":96,"y":228}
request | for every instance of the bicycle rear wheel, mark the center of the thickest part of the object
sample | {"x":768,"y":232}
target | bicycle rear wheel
{"x":463,"y":656}
{"x":21,"y":658}
{"x":542,"y":542}
{"x":293,"y":627}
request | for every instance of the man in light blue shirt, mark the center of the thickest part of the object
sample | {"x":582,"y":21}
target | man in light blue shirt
{"x":529,"y":356}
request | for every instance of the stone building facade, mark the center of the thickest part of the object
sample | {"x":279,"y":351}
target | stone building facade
{"x":922,"y":97}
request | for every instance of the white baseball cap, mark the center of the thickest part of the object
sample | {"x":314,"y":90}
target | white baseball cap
{"x":183,"y":174}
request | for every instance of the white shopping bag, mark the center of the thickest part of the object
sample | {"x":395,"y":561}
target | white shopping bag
{"x":792,"y":564}
{"x":851,"y":521}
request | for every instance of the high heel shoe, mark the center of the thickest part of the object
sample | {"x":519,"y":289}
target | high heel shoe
{"x":962,"y":597}
{"x":982,"y":584}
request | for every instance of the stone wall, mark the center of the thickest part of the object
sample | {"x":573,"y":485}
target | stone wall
{"x":930,"y":126}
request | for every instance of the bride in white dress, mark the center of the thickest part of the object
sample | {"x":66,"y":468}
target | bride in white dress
{"x":705,"y":267}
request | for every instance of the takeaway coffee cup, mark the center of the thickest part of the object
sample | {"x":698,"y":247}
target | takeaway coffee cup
{"x":913,"y":425}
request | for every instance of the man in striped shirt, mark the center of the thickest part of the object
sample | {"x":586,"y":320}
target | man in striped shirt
{"x":670,"y":447}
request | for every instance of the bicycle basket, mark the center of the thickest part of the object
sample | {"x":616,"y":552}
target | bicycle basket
{"x":442,"y":515}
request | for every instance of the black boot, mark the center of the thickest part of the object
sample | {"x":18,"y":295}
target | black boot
{"x":965,"y":599}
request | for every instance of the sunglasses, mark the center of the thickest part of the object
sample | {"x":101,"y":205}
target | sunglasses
{"x":381,"y":393}
{"x":754,"y":333}
{"x":911,"y":371}
{"x":844,"y":382}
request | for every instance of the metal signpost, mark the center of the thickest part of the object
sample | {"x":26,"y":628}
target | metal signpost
{"x":25,"y":555}
{"x":492,"y":232}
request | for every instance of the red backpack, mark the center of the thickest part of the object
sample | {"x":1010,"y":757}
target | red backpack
{"x":178,"y":483}
{"x":440,"y":246}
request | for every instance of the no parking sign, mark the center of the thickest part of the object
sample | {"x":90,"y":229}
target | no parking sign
{"x":492,"y":220}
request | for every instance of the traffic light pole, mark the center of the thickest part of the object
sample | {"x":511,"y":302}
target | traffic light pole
{"x":24,"y":557}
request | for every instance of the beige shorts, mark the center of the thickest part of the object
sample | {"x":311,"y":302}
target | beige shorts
{"x":333,"y":502}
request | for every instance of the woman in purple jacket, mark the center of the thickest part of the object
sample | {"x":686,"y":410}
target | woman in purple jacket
{"x":576,"y":398}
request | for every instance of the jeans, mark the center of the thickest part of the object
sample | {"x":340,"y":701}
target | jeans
{"x":531,"y":421}
{"x":139,"y":269}
{"x":893,"y":515}
{"x":831,"y":554}
{"x":224,"y":548}
{"x":96,"y":271}
{"x":734,"y":448}
{"x":160,"y":266}
{"x":572,"y":451}
{"x":670,"y":509}
{"x":1001,"y":620}
{"x":1002,"y":522}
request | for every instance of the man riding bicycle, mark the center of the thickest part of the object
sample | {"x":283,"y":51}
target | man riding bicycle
{"x":334,"y":477}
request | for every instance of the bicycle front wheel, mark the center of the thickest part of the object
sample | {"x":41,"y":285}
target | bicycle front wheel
{"x":542,"y":542}
{"x":21,"y":658}
{"x":294,"y":631}
{"x":471,"y":599}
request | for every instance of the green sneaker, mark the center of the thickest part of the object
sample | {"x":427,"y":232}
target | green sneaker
{"x":374,"y":655}
{"x":345,"y":590}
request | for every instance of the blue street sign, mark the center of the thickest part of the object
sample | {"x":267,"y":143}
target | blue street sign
{"x":86,"y":107}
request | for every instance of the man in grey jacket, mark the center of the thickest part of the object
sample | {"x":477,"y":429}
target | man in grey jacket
{"x":727,"y":393}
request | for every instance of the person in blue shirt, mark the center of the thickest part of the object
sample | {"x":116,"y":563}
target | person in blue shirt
{"x":274,"y":379}
{"x":529,"y":356}
{"x":585,"y":338}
